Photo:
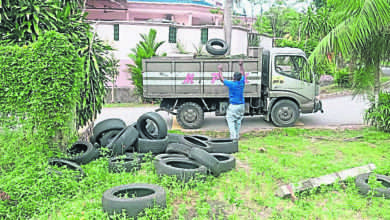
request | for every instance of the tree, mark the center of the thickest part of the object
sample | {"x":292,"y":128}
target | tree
{"x":364,"y":30}
{"x":227,"y":23}
{"x":146,"y":48}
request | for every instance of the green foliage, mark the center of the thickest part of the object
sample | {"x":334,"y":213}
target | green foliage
{"x":378,"y":115}
{"x":23,"y":21}
{"x":146,"y":48}
{"x":291,"y":155}
{"x":40,"y":83}
{"x":343,"y":78}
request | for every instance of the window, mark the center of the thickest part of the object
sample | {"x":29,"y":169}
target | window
{"x":172,"y":34}
{"x":116,"y":32}
{"x":293,"y":66}
{"x":204,"y":35}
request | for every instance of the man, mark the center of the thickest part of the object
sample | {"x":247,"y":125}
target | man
{"x":236,"y":109}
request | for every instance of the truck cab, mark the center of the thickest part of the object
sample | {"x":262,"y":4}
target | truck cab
{"x":280,"y":86}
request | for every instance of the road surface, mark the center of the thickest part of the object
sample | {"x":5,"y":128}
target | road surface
{"x":339,"y":111}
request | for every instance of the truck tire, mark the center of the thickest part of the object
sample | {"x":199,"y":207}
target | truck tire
{"x":227,"y":146}
{"x":362,"y":184}
{"x":183,"y":168}
{"x":284,"y":113}
{"x":177,"y":148}
{"x":223,"y":47}
{"x":126,"y":164}
{"x":195,"y":142}
{"x":190,"y":115}
{"x":206,"y":159}
{"x":227,"y":161}
{"x":155,"y":146}
{"x":133,"y":199}
{"x":107,"y":125}
{"x":124,"y":141}
{"x":83,"y":152}
{"x":58,"y":162}
{"x":152,"y":126}
{"x":108,"y":137}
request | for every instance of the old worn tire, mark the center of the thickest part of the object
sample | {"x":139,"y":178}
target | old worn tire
{"x":206,"y":159}
{"x":126,"y":164}
{"x":59,"y":162}
{"x":140,"y":196}
{"x":227,"y":161}
{"x":108,"y":137}
{"x":362,"y":184}
{"x":284,"y":113}
{"x":200,"y":137}
{"x":155,"y":146}
{"x":177,"y":148}
{"x":107,"y":125}
{"x":183,"y":168}
{"x":174,"y":138}
{"x":155,"y":122}
{"x":166,"y":156}
{"x":223,"y":46}
{"x":194,"y":142}
{"x":124,"y":141}
{"x":227,"y":146}
{"x":83,"y":152}
{"x":190,"y":115}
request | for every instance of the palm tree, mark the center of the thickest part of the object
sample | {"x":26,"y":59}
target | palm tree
{"x":364,"y":28}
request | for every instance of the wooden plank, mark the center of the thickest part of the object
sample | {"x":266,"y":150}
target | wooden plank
{"x":285,"y":190}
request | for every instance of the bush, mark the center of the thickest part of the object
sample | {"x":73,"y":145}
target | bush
{"x":378,"y":115}
{"x":40,"y":84}
{"x":343,"y":78}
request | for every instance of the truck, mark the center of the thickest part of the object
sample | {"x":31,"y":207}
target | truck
{"x":280,"y":85}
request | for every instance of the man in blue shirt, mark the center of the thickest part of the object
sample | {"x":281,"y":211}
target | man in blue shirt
{"x":236,"y":109}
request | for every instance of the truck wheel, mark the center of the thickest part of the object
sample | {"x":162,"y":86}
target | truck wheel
{"x":284,"y":113}
{"x":190,"y":115}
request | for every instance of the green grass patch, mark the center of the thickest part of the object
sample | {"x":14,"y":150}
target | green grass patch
{"x":248,"y":192}
{"x":128,"y":105}
{"x":385,"y":79}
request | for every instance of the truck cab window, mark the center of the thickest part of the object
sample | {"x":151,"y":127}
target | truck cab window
{"x":293,"y":66}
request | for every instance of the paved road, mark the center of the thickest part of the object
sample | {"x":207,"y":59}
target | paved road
{"x":339,"y":111}
{"x":386,"y":71}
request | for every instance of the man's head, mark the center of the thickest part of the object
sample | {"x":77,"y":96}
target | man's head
{"x":237,"y":76}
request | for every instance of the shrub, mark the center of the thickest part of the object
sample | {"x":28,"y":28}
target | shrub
{"x":40,"y":84}
{"x":343,"y":78}
{"x":378,"y":115}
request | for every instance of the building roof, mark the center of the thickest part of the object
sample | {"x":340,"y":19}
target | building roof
{"x":195,"y":2}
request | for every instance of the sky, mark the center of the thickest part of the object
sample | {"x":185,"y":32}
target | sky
{"x":298,"y":5}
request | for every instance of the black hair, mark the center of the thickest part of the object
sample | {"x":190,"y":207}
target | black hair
{"x":237,"y":76}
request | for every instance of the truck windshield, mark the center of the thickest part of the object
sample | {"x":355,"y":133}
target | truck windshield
{"x":293,"y":66}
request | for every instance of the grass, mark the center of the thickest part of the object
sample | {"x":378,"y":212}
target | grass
{"x":248,"y":192}
{"x":128,"y":105}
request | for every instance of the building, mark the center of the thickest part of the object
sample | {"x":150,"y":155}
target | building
{"x":186,"y":24}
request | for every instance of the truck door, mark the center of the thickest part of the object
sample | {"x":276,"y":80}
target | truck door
{"x":188,"y":78}
{"x":306,"y":84}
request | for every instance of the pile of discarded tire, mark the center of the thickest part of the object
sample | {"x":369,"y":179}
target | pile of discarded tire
{"x":183,"y":156}
{"x":365,"y":189}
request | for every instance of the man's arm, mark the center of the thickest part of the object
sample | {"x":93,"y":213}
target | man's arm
{"x":220,"y":73}
{"x":241,"y":63}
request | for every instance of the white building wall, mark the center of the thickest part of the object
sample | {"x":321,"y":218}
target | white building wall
{"x":266,"y":42}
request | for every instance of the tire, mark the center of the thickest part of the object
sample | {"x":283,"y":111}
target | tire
{"x":183,"y":168}
{"x":284,"y":113}
{"x":124,"y":141}
{"x":83,"y":152}
{"x":190,"y":115}
{"x":206,"y":159}
{"x":364,"y":189}
{"x":167,"y":156}
{"x":107,"y":125}
{"x":174,"y":138}
{"x":92,"y":139}
{"x":194,"y":142}
{"x":148,"y":145}
{"x":216,"y":51}
{"x":68,"y":164}
{"x":108,"y":137}
{"x":152,"y":126}
{"x":177,"y":148}
{"x":227,"y":146}
{"x":140,"y":196}
{"x":126,"y":164}
{"x":227,"y":161}
{"x":201,"y":137}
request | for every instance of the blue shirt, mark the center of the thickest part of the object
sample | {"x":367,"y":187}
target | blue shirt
{"x":236,"y":91}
